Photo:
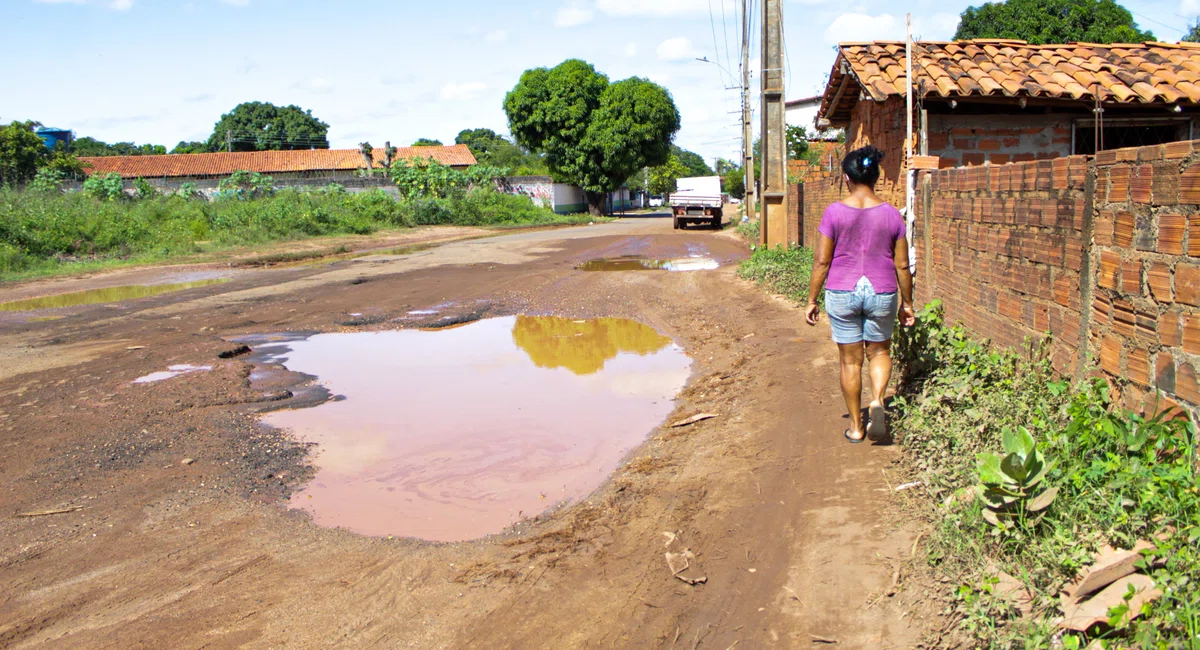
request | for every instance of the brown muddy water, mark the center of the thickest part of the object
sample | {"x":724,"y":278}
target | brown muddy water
{"x":456,"y":434}
{"x":632,"y":263}
{"x":107,"y":294}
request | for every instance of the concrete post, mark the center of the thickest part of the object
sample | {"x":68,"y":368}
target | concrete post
{"x":774,"y":130}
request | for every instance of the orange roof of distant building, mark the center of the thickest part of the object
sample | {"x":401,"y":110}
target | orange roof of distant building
{"x":1118,"y":72}
{"x":264,"y":162}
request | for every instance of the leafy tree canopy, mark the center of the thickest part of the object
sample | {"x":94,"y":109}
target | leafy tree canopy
{"x":1193,"y":34}
{"x":191,"y":147}
{"x":262,"y":126}
{"x":491,"y":148}
{"x":593,"y":133}
{"x":1052,"y":21}
{"x":693,"y":161}
{"x":88,"y":146}
{"x":427,"y":142}
{"x":21,"y":153}
{"x":663,"y":177}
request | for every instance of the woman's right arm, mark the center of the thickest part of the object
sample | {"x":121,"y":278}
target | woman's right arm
{"x":908,"y":316}
{"x":823,"y":258}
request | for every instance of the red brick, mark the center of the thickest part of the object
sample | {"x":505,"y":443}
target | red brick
{"x":1170,"y":329}
{"x":1110,"y":267}
{"x":1185,"y":383}
{"x":1173,"y":150}
{"x":988,"y":144}
{"x":1150,"y":153}
{"x":1123,"y":231}
{"x":1170,"y":233}
{"x":1164,"y":372}
{"x":1139,"y":185}
{"x":1165,"y":190}
{"x":1110,"y":356}
{"x":1131,"y":277}
{"x":1138,"y":365}
{"x":1118,"y":184}
{"x":1193,"y":247}
{"x":1191,"y":334}
{"x":999,"y":159}
{"x":1128,"y":154}
{"x":1158,"y":276}
{"x":1187,"y":284}
{"x":1024,"y":157}
{"x":1103,"y":227}
{"x":938,"y":141}
{"x":1189,"y":185}
{"x":1100,"y":309}
{"x":973,"y":159}
{"x":1124,"y":319}
{"x":1105,"y":158}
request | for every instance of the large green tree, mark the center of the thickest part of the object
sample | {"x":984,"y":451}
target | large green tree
{"x":593,"y":133}
{"x":88,"y":146}
{"x":693,"y":161}
{"x":1193,"y":33}
{"x":191,"y":147}
{"x":1052,"y":21}
{"x":491,"y":148}
{"x":262,"y":126}
{"x":21,"y":152}
{"x":427,"y":142}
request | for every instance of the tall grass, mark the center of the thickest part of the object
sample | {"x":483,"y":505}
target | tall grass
{"x":784,"y":271}
{"x":41,"y":231}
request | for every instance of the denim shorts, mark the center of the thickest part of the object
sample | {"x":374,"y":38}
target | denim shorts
{"x":862,"y":314}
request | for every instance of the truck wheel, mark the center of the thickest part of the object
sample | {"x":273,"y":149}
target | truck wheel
{"x":678,"y":225}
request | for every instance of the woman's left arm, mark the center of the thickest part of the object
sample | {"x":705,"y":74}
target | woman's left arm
{"x":823,"y":258}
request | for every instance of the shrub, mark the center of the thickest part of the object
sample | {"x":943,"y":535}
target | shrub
{"x":47,"y":180}
{"x":785,"y":271}
{"x":110,"y":187}
{"x":144,"y":190}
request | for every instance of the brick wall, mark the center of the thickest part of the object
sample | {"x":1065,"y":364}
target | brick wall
{"x":1003,"y":246}
{"x":1145,"y":312}
{"x":998,"y":139}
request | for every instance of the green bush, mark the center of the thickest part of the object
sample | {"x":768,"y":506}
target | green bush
{"x":110,"y":187}
{"x":784,"y":271}
{"x":1120,"y":478}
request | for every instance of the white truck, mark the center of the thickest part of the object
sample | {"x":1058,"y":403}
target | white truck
{"x":697,"y":198}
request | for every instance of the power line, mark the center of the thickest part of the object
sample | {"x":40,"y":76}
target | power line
{"x":716,"y":49}
{"x":725,"y":28}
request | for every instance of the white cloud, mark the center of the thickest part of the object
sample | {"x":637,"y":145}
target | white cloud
{"x":863,"y":27}
{"x":498,"y":36}
{"x":663,"y":7}
{"x":631,"y":49}
{"x":121,"y":5}
{"x":572,"y":17}
{"x":463,"y":91}
{"x":235,"y":3}
{"x":60,"y":2}
{"x":1189,"y":7}
{"x":676,"y":49}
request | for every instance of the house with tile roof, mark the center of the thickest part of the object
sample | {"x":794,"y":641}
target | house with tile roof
{"x":325,"y":164}
{"x":999,"y":101}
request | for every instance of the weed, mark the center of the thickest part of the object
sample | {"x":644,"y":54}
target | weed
{"x":785,"y":271}
{"x":1120,"y":477}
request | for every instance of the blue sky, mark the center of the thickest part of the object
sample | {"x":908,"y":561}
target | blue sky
{"x":161,"y":71}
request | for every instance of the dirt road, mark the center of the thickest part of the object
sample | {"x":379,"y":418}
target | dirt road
{"x":789,"y":525}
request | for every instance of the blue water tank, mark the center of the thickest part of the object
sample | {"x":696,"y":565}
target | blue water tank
{"x":52,"y":136}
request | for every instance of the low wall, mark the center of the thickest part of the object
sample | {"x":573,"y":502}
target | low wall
{"x":208,"y":186}
{"x":1101,"y":252}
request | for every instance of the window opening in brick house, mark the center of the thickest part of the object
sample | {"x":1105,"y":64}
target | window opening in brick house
{"x":1119,"y":133}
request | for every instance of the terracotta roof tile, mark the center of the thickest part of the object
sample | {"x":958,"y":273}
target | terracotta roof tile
{"x":264,"y":162}
{"x":1120,"y":72}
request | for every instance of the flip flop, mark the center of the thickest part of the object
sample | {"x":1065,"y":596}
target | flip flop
{"x":876,"y":425}
{"x":854,"y":441}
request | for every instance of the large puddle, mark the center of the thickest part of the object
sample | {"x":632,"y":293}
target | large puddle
{"x":458,"y":433}
{"x":107,"y":294}
{"x":634,"y":263}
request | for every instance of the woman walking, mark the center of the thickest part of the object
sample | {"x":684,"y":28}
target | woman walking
{"x":862,"y":263}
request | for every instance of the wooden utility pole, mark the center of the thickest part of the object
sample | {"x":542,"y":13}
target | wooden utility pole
{"x":747,"y":127}
{"x":774,"y":204}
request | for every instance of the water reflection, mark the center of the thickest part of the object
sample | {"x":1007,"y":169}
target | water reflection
{"x":582,"y":346}
{"x":108,"y":294}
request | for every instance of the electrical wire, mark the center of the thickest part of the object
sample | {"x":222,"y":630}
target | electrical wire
{"x":725,"y":28}
{"x":716,"y":48}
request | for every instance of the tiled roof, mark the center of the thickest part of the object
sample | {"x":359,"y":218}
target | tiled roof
{"x":264,"y":162}
{"x":1122,"y":73}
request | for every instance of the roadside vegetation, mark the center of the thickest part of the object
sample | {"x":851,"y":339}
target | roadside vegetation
{"x":44,"y":230}
{"x":779,"y":270}
{"x":1026,"y":475}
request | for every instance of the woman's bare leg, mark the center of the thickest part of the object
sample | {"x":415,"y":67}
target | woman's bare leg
{"x":851,"y":357}
{"x":879,"y":360}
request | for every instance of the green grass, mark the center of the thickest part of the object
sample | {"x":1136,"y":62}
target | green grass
{"x":783,"y":271}
{"x":46,"y":233}
{"x":1120,"y":478}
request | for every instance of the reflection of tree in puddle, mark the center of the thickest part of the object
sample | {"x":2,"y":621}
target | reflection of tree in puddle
{"x":582,"y":346}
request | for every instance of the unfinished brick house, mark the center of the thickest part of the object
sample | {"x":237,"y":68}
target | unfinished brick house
{"x":1002,"y":101}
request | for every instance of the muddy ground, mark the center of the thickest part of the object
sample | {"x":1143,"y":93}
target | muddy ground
{"x":793,"y":530}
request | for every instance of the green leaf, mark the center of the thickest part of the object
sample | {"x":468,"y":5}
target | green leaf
{"x":1014,"y":468}
{"x":1043,"y":500}
{"x":989,"y":468}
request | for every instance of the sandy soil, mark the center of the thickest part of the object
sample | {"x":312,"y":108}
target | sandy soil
{"x":792,"y":529}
